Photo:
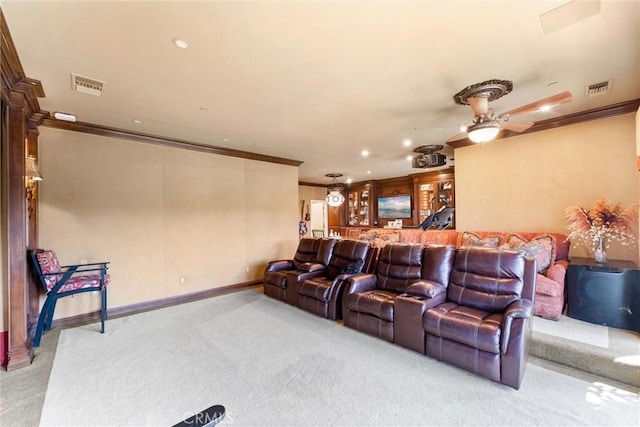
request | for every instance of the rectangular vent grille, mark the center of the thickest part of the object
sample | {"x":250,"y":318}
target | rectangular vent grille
{"x":86,"y":85}
{"x":599,"y":88}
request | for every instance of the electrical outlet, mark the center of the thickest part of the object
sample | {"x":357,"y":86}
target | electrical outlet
{"x":182,"y":280}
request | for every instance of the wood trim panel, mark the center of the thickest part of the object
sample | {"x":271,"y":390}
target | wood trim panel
{"x":569,"y":119}
{"x":20,"y":352}
{"x":313,"y":184}
{"x":156,"y":304}
{"x":94,"y":129}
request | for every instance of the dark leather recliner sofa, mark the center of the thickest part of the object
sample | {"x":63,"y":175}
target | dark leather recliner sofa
{"x":311,"y":259}
{"x":370,"y":301}
{"x":484,"y":326}
{"x":322,"y":294}
{"x":470,"y":307}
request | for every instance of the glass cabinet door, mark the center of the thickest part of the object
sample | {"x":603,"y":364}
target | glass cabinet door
{"x":445,"y":194}
{"x":426,"y":200}
{"x":364,"y":207}
{"x":354,"y":206}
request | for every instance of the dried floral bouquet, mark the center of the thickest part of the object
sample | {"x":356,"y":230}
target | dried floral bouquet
{"x":603,"y":223}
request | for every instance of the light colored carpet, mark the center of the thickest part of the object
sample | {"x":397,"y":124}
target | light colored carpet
{"x":565,"y":327}
{"x":272,"y":364}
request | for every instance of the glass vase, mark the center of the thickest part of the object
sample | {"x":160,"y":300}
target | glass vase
{"x":600,"y":252}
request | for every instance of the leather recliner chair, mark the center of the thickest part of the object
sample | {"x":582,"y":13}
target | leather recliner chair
{"x":322,"y":294}
{"x":485,"y":324}
{"x":308,"y":256}
{"x":368,"y":299}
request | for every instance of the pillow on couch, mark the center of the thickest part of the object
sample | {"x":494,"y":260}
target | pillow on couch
{"x":368,"y":235}
{"x":383,"y":239}
{"x":542,"y":248}
{"x":472,"y":239}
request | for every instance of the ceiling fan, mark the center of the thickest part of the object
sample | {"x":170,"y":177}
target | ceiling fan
{"x":486,"y":124}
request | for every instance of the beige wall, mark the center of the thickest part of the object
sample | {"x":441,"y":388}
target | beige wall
{"x":159,"y":214}
{"x":525,"y":183}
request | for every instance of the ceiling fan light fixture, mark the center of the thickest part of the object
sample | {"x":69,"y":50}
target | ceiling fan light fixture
{"x":483,"y":131}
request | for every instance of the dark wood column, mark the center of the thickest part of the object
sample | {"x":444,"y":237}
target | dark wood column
{"x":20,"y":352}
{"x":32,"y":228}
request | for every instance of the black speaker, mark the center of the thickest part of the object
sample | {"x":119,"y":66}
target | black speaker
{"x":604,"y":296}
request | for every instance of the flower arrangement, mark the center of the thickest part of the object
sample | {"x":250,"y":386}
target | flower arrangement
{"x":596,"y":227}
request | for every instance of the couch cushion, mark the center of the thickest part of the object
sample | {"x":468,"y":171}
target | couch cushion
{"x":383,"y":239}
{"x":276,"y":278}
{"x":471,"y":239}
{"x":439,"y":237}
{"x":307,"y":251}
{"x":466,"y":325}
{"x":541,"y":247}
{"x":546,"y":286}
{"x":49,"y":264}
{"x":377,"y":303}
{"x":318,"y":288}
{"x":486,"y":279}
{"x":345,"y":252}
{"x":399,"y":265}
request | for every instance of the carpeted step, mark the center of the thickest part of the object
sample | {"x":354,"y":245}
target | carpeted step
{"x":604,"y":362}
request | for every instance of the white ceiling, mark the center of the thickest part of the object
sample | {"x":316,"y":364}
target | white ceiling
{"x":319,"y":81}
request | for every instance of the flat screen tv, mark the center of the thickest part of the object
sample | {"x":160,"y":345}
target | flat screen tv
{"x":394,"y":207}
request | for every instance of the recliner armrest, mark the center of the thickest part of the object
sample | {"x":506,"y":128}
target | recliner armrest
{"x":311,"y":267}
{"x":277,"y":265}
{"x":521,"y":309}
{"x":361,"y":283}
{"x":425,"y":288}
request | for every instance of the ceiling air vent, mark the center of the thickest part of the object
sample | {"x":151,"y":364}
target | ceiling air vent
{"x":599,"y":88}
{"x":86,"y":85}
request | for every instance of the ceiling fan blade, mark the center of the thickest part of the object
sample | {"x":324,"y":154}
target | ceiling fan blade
{"x":459,"y":135}
{"x":559,"y":98}
{"x":480,"y":106}
{"x":516,"y":126}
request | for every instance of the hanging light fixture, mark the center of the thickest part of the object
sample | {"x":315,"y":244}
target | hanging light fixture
{"x":483,"y":131}
{"x":335,"y":197}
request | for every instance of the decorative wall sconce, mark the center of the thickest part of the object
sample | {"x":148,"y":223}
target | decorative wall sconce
{"x":32,"y":176}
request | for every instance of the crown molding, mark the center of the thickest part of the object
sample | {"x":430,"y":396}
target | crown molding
{"x":95,"y":129}
{"x":569,"y":119}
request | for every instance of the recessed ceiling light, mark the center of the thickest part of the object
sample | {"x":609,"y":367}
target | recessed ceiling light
{"x":180,"y":43}
{"x":365,"y":153}
{"x":409,"y":158}
{"x":136,"y":121}
{"x":369,"y":172}
{"x":406,"y":142}
{"x":226,"y":139}
{"x":349,"y":181}
{"x":545,"y":108}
